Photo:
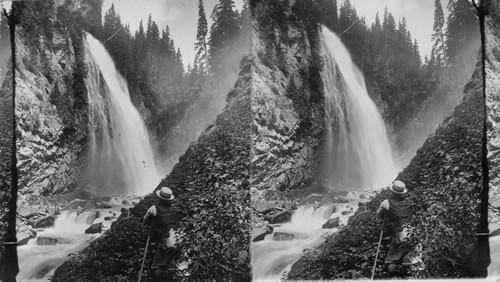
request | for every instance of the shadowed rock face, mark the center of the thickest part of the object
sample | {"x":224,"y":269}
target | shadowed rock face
{"x":288,"y":110}
{"x":51,"y":120}
{"x":493,"y":108}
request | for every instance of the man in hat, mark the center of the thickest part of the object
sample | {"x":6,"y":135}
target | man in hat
{"x":163,"y":218}
{"x":396,"y":211}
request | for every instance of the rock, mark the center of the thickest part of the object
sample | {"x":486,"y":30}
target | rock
{"x":102,"y":205}
{"x":94,"y":228}
{"x":25,"y":235}
{"x":346,"y":212}
{"x":49,"y":240}
{"x":362,"y":196}
{"x":264,"y":206}
{"x":53,"y":211}
{"x":311,"y":199}
{"x":43,"y":222}
{"x":92,"y":216}
{"x":279,"y":217}
{"x":77,"y":203}
{"x":260,"y":232}
{"x":26,"y":211}
{"x":134,"y":203}
{"x":329,"y":211}
{"x":282,"y":236}
{"x":331,"y":223}
{"x":107,"y":218}
{"x":126,"y":202}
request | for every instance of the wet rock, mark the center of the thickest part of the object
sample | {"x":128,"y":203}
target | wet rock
{"x":134,"y":203}
{"x":25,"y":235}
{"x":26,"y":211}
{"x":44,"y":222}
{"x":107,"y":218}
{"x":126,"y":202}
{"x":49,"y":240}
{"x":93,"y":216}
{"x":77,"y":203}
{"x":264,"y":206}
{"x":331,"y":223}
{"x":279,"y":217}
{"x":329,"y":211}
{"x":94,"y":228}
{"x":282,"y":236}
{"x":102,"y":205}
{"x":53,"y":211}
{"x":311,"y":199}
{"x":260,"y":232}
{"x":346,"y":212}
{"x":362,"y":196}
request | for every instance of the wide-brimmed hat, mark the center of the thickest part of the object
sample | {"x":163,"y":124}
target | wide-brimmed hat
{"x":165,"y":193}
{"x":398,"y":187}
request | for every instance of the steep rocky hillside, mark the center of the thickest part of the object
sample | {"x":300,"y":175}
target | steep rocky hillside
{"x":287,"y":99}
{"x":444,"y":181}
{"x":51,"y":112}
{"x":493,"y":108}
{"x":211,"y":181}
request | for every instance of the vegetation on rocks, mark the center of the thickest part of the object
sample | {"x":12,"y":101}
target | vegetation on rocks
{"x":444,"y":182}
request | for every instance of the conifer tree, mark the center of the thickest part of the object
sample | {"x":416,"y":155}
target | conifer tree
{"x":462,"y":27}
{"x":438,"y":48}
{"x":201,"y":37}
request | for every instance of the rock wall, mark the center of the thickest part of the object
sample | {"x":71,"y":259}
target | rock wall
{"x":493,"y":109}
{"x":287,"y":100}
{"x":51,"y":119}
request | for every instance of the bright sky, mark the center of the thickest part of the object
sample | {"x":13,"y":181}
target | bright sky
{"x":180,"y":15}
{"x":419,"y":16}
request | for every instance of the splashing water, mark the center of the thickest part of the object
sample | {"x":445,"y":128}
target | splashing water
{"x":37,"y":262}
{"x":121,"y":157}
{"x":358,"y":149}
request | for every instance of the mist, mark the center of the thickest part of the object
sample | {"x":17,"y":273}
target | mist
{"x":440,"y":104}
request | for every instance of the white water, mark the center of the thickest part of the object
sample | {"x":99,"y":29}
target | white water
{"x":38,"y":262}
{"x":121,"y":156}
{"x":358,"y":149}
{"x":271,"y":259}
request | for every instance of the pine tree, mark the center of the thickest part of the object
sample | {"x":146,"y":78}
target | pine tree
{"x":462,"y":27}
{"x":201,"y":37}
{"x":438,"y":48}
{"x":224,"y":29}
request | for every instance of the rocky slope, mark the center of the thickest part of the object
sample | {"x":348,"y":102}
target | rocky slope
{"x":51,"y":115}
{"x":211,"y":182}
{"x":286,"y":101}
{"x":444,"y":181}
{"x":493,"y":108}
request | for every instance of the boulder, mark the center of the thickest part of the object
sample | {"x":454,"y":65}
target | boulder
{"x":126,"y":202}
{"x":346,"y":212}
{"x":94,"y":228}
{"x":25,"y":235}
{"x":331,"y":223}
{"x":26,"y":211}
{"x":279,"y":217}
{"x":329,"y":211}
{"x":77,"y":203}
{"x":92,"y":216}
{"x":260,"y":232}
{"x":50,"y":240}
{"x":311,"y":199}
{"x":282,"y":236}
{"x":44,"y":222}
{"x":107,"y":218}
{"x":264,"y":206}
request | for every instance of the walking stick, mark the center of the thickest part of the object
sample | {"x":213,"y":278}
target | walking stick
{"x":145,"y":252}
{"x":378,"y":249}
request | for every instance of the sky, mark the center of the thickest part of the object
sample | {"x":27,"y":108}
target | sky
{"x":419,"y":16}
{"x":180,"y":15}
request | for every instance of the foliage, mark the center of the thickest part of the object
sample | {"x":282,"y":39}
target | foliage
{"x":444,"y":182}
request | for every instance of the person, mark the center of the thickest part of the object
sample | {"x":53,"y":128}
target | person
{"x":163,"y":217}
{"x":396,"y":210}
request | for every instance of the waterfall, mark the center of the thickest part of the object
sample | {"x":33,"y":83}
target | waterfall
{"x":120,"y":156}
{"x":358,"y":150}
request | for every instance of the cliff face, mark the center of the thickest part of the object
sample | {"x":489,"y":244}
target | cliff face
{"x":493,"y":109}
{"x":51,"y":115}
{"x":286,"y":99}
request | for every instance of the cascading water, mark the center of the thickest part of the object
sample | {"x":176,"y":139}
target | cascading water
{"x":121,"y":157}
{"x":38,"y":261}
{"x":358,"y":150}
{"x":359,"y":157}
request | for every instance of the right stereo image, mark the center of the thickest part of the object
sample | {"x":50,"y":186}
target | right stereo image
{"x":376,"y":139}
